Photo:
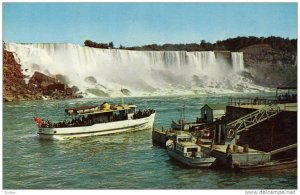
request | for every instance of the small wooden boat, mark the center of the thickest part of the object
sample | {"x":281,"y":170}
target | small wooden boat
{"x":269,"y":166}
{"x":188,"y":153}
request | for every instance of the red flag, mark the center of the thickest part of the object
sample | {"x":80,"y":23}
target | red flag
{"x":38,"y":120}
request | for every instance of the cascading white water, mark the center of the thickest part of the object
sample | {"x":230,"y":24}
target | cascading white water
{"x":237,"y":61}
{"x":142,"y":72}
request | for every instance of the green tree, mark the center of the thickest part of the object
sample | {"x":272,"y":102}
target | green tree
{"x":111,"y":45}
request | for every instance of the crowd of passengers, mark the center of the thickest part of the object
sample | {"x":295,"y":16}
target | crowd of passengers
{"x":87,"y":121}
{"x":287,"y":98}
{"x":77,"y":122}
{"x":143,"y":114}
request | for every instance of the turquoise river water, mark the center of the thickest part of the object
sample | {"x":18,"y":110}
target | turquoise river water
{"x":120,"y":161}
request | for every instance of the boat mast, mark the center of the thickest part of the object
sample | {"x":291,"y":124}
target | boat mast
{"x":182,"y":117}
{"x":122,"y":96}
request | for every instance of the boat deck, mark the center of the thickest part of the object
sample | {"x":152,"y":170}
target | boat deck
{"x":252,"y":156}
{"x":188,"y":144}
{"x":291,"y":107}
{"x":222,"y":149}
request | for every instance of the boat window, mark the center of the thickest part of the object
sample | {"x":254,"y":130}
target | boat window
{"x":192,"y":149}
{"x":205,"y":114}
{"x":101,"y":118}
{"x":132,"y":110}
{"x":184,"y":139}
{"x":179,"y":148}
{"x":122,"y":115}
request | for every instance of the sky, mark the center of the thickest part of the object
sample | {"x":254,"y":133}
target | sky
{"x":136,"y":24}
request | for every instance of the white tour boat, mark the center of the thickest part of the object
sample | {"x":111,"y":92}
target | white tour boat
{"x":184,"y":150}
{"x":97,"y":120}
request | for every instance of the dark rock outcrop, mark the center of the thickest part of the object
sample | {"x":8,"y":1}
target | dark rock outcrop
{"x":125,"y":91}
{"x":270,"y":67}
{"x":91,"y":80}
{"x":40,"y":86}
{"x":97,"y":92}
{"x":62,"y":78}
{"x":13,"y":79}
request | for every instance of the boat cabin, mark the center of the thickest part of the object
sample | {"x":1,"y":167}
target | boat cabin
{"x":185,"y":146}
{"x":103,"y":113}
{"x":183,"y":137}
{"x":188,"y":149}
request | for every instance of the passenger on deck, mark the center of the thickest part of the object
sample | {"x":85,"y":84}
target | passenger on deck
{"x":228,"y":150}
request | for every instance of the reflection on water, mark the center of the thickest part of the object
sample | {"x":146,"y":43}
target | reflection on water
{"x":120,"y":161}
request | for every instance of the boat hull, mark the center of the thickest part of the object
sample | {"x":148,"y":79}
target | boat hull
{"x":196,"y":162}
{"x":97,"y":129}
{"x":266,"y":167}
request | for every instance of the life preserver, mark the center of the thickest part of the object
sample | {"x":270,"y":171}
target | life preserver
{"x":230,"y":133}
{"x":169,"y":143}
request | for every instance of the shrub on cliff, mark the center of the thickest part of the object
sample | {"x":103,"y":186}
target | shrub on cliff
{"x":90,"y":43}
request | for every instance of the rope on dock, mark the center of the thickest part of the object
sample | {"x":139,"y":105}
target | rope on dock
{"x":283,"y":149}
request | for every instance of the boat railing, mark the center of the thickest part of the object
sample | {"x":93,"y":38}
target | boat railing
{"x":143,"y":114}
{"x":88,"y":121}
{"x":250,"y":101}
{"x":253,"y":118}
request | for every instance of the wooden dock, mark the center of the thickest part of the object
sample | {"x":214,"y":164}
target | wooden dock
{"x":160,"y":137}
{"x":237,"y":156}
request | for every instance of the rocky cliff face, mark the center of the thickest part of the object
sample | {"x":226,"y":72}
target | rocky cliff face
{"x":39,"y":86}
{"x":270,"y":67}
{"x":13,"y":79}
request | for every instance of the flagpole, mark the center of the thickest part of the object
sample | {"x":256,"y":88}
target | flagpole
{"x":122,"y":96}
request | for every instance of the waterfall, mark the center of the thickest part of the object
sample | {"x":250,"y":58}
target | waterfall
{"x":237,"y":61}
{"x":141,"y":72}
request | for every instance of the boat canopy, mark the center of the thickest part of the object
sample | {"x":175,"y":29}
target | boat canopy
{"x":81,"y":109}
{"x":103,"y":108}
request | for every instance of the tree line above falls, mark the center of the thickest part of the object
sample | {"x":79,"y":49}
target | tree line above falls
{"x":270,"y":61}
{"x":231,"y":44}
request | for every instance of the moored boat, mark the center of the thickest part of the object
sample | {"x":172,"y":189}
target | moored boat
{"x":184,"y":150}
{"x":97,"y":120}
{"x":269,"y":166}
